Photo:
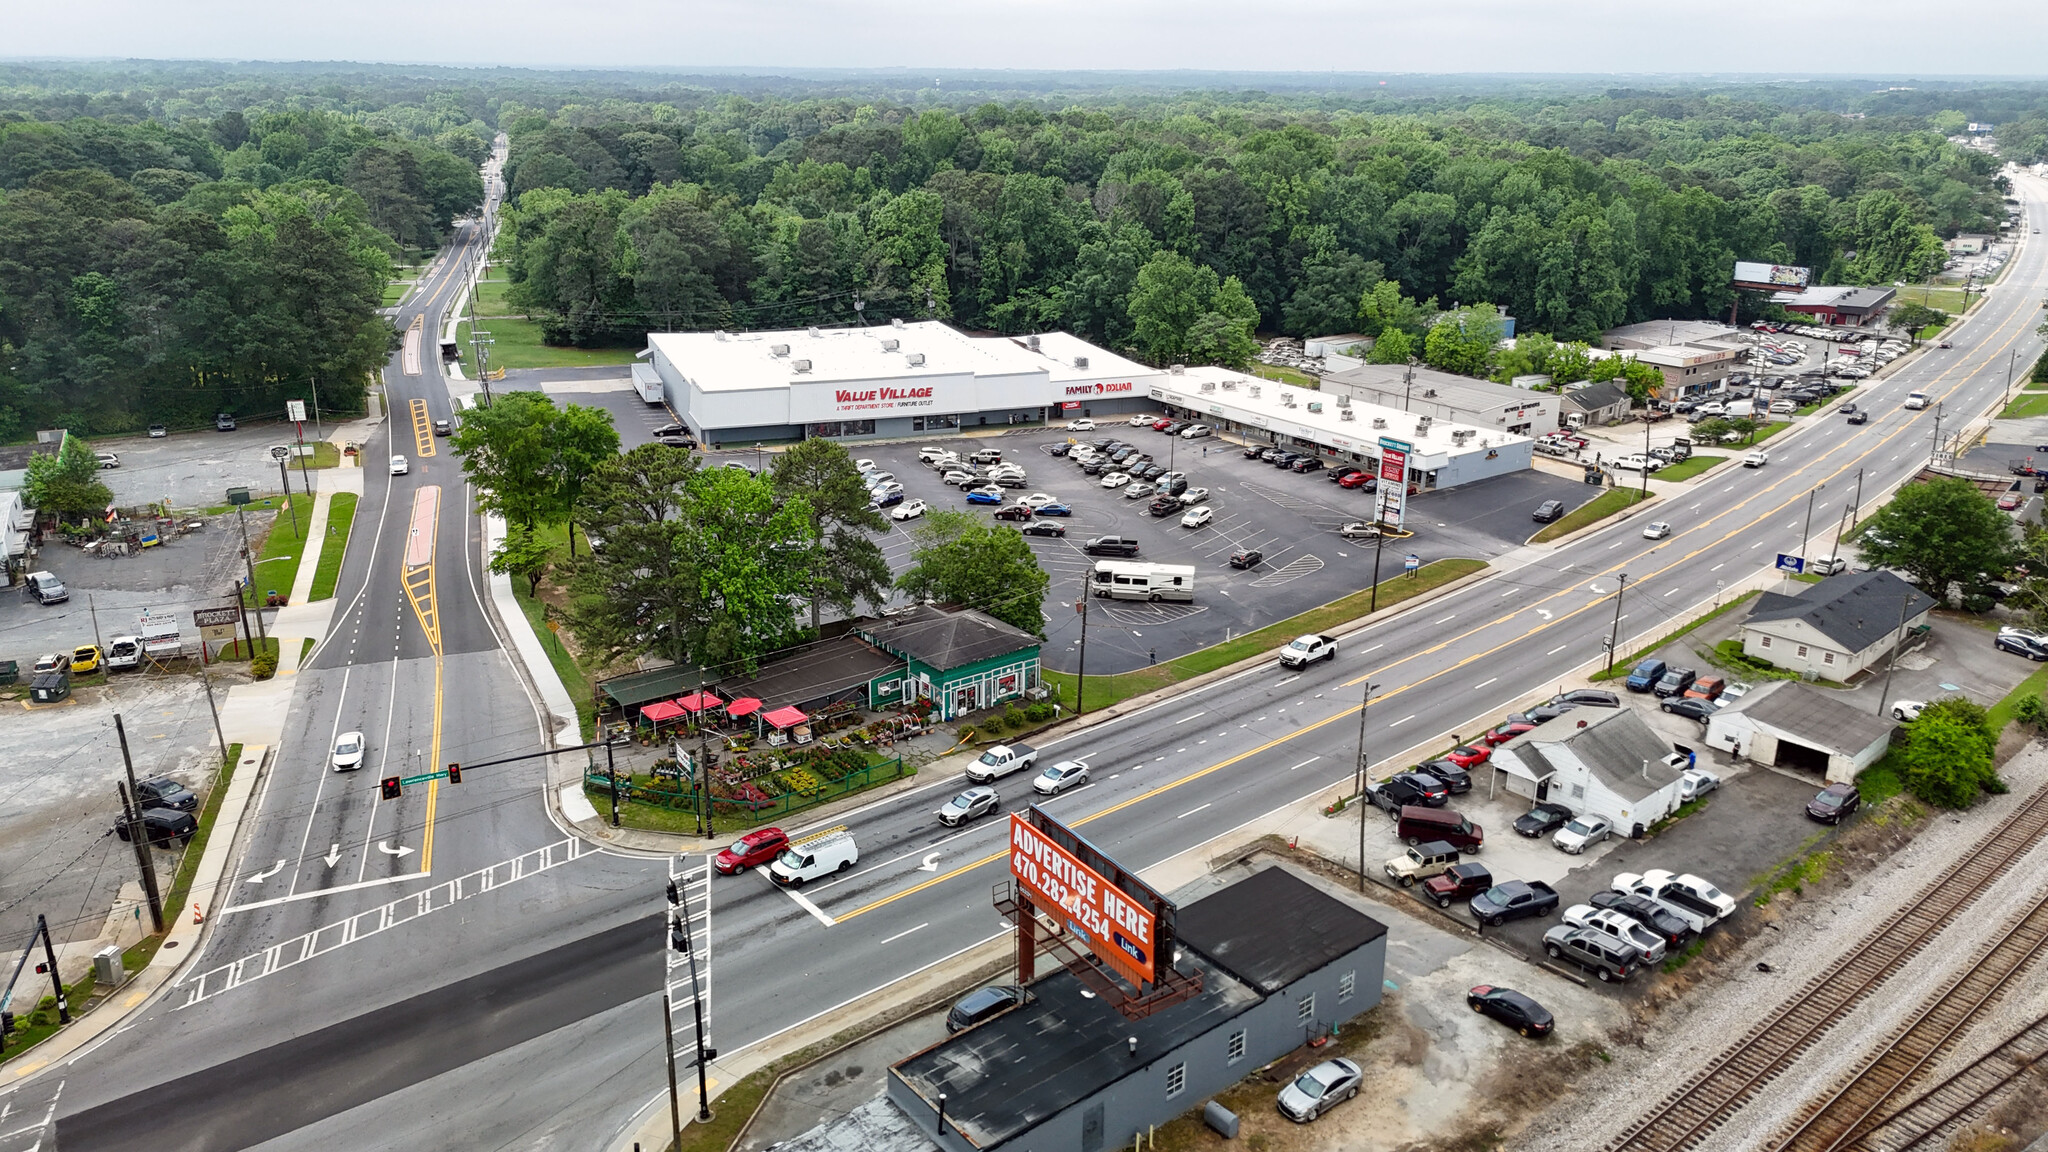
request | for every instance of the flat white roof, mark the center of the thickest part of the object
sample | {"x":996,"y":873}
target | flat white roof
{"x":1265,"y":404}
{"x":750,"y":361}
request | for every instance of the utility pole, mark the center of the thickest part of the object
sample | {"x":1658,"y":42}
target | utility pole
{"x":1081,"y":680}
{"x":284,"y":481}
{"x":1935,"y":449}
{"x":1364,"y":699}
{"x":92,"y":606}
{"x":611,"y":774}
{"x":249,"y":564}
{"x":1408,"y":384}
{"x":684,"y":889}
{"x":2011,"y":361}
{"x":1807,"y":530}
{"x":1646,"y":457}
{"x":1857,"y":501}
{"x":206,"y":678}
{"x":56,"y":981}
{"x":131,"y":807}
{"x":1898,"y":638}
{"x":1614,"y":638}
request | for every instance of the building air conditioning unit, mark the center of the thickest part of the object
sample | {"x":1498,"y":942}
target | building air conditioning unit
{"x":719,"y":336}
{"x":1346,"y":414}
{"x":1429,"y":393}
{"x":1315,"y":405}
{"x":914,"y":359}
{"x":1208,"y":385}
{"x":778,"y":349}
{"x":1287,"y":399}
{"x":891,"y":345}
{"x":1031,"y":342}
{"x":1343,"y":401}
{"x":800,"y":365}
{"x":896,"y":322}
{"x":1177,"y":369}
{"x":1255,"y":390}
{"x":1231,"y":385}
{"x":1080,"y":361}
{"x":1379,"y":421}
{"x":815,"y":333}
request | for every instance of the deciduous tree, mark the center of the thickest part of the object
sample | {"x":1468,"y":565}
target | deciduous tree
{"x":845,"y":566}
{"x":1942,"y":532}
{"x":960,"y":559}
{"x":68,"y":482}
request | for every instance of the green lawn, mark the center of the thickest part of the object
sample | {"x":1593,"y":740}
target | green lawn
{"x":341,"y":519}
{"x":1104,"y":691}
{"x":1592,"y":511}
{"x":518,"y":345}
{"x":1769,"y":430}
{"x":395,"y":291}
{"x":1949,"y":300}
{"x":326,"y":454}
{"x":490,"y":298}
{"x":1283,"y":375}
{"x":2024,"y":405}
{"x":277,"y":558}
{"x":1689,"y":467}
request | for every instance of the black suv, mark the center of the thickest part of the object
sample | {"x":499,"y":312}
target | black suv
{"x":1253,"y":451}
{"x":1165,"y":506}
{"x":1305,"y":464}
{"x":1405,"y":788}
{"x":1110,"y":546}
{"x":1675,"y":681}
{"x":1548,"y":511}
{"x":1453,"y":777}
{"x":164,"y":792}
{"x":162,"y":826}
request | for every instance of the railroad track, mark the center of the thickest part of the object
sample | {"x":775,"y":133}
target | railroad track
{"x":1713,"y":1096}
{"x":1973,"y":1090}
{"x":1841,"y":1119}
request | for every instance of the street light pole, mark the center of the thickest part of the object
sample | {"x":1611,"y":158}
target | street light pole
{"x":1365,"y":698}
{"x":1379,"y":543}
{"x":1934,"y":449}
{"x":1806,"y":531}
{"x":1614,"y":638}
{"x":1646,"y":457}
{"x":1081,"y":677}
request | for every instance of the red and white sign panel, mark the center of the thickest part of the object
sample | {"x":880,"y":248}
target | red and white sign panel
{"x":1118,"y":931}
{"x":1750,"y":274}
{"x":1393,"y":490}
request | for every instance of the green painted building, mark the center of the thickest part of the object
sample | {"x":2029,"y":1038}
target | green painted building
{"x":961,"y":660}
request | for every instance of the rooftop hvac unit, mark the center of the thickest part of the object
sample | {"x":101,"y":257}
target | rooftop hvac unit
{"x":1379,"y":421}
{"x":891,"y":345}
{"x":778,"y":349}
{"x":719,"y":336}
{"x":1287,"y":399}
{"x":1346,"y":414}
{"x":1080,"y":361}
{"x":1255,"y":390}
{"x":914,"y":359}
{"x":1177,"y":369}
{"x":1343,"y":401}
{"x":1429,"y":393}
{"x":800,"y":365}
{"x":1231,"y":385}
{"x":896,"y":322}
{"x":1315,"y":405}
{"x":815,"y":333}
{"x":1208,"y":385}
{"x":1031,"y":342}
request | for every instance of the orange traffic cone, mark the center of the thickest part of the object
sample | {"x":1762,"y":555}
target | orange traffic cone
{"x":197,"y":917}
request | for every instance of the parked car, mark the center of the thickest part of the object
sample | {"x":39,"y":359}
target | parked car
{"x":1342,"y":472}
{"x":1469,"y":755}
{"x":1043,"y":528}
{"x":163,"y":827}
{"x":1588,"y":698}
{"x":1194,"y":495}
{"x":1110,"y":546}
{"x":1405,"y":788}
{"x":968,"y":805}
{"x":1196,"y":432}
{"x":1017,"y":512}
{"x":1907,"y":711}
{"x":1668,"y":926}
{"x":1421,"y":862}
{"x":883,"y":498}
{"x":985,"y":495}
{"x":983,"y":1004}
{"x":1461,"y":881}
{"x":1139,"y":491}
{"x":1055,"y":508}
{"x":1690,"y":708}
{"x":1835,"y":803}
{"x":1511,"y":1008}
{"x":2021,"y":645}
{"x":1359,"y":530}
{"x":1116,"y":479}
{"x":1197,"y":517}
{"x":1514,"y":900}
{"x":1544,"y":816}
{"x":1305,"y":464}
{"x":86,"y":659}
{"x":1706,"y":688}
{"x":1418,"y":824}
{"x":1452,"y":777}
{"x":1246,"y":558}
{"x":758,"y":847}
{"x":909,"y":510}
{"x":1548,"y":511}
{"x":1319,"y":1089}
{"x":1508,"y":731}
{"x":1608,"y":958}
{"x":1581,"y":832}
{"x":1365,"y":480}
{"x":1620,"y":927}
{"x":1694,"y":783}
{"x":1082,"y":425}
{"x":224,"y":422}
{"x":1645,"y":676}
{"x":108,"y":459}
{"x":164,"y":792}
{"x":1674,"y":681}
{"x":158,"y":431}
{"x":1681,"y":891}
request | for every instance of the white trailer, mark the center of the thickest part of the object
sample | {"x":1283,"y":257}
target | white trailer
{"x":1132,"y":580}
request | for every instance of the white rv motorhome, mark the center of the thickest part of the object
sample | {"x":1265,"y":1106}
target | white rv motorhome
{"x":1131,"y":580}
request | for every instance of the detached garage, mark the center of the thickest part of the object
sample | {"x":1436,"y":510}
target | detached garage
{"x":1787,"y":724}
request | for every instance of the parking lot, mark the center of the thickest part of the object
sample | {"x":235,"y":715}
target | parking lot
{"x":1294,"y":519}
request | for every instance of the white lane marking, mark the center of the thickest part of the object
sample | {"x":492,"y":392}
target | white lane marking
{"x":1289,"y":680}
{"x":266,"y":874}
{"x":907,"y":931}
{"x":1509,"y":592}
{"x":1718,"y":567}
{"x":340,"y":699}
{"x":1305,"y":763}
{"x":1185,"y":719}
{"x":1616,"y":544}
{"x":1189,"y":812}
{"x":317,"y":893}
{"x":807,"y":906}
{"x":1452,"y":616}
{"x":1729,"y":488}
{"x":1556,"y":650}
{"x":1402,"y":720}
{"x":1374,"y":648}
{"x":1483,"y":683}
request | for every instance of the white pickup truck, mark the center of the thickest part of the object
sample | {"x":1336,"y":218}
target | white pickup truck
{"x":1002,"y":760}
{"x":1692,"y":899}
{"x":1756,"y":459}
{"x":1306,"y":650}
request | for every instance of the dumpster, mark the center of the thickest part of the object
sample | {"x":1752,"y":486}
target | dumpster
{"x":50,"y":687}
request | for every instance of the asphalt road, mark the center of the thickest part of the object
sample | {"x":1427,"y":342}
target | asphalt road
{"x":1166,"y":779}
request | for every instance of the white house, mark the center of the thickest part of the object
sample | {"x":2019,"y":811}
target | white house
{"x":1792,"y":725}
{"x":1836,"y":628}
{"x":1606,"y":761}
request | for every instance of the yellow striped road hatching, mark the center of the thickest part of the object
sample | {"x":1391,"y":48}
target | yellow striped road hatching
{"x":417,"y":577}
{"x":422,"y":428}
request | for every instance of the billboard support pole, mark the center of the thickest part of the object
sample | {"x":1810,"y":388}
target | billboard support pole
{"x":1027,"y":941}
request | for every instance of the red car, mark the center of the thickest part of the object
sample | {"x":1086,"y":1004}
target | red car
{"x":1470,"y":756}
{"x":1508,"y":731}
{"x":1364,"y":480}
{"x":1160,"y":424}
{"x":756,"y":847}
{"x":2010,"y":502}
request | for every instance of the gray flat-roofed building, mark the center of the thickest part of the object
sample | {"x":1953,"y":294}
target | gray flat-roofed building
{"x":1665,"y":333}
{"x":1447,"y":396}
{"x":1281,"y":962}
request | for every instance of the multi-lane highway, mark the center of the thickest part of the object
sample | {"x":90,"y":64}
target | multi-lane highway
{"x":516,"y":1007}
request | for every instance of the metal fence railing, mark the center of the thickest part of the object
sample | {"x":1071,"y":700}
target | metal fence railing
{"x":750,"y":809}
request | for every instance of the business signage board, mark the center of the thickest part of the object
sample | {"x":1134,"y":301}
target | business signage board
{"x":1771,"y":277}
{"x":1793,"y":564}
{"x":1393,"y":487}
{"x":842,"y":400}
{"x":295,"y":411}
{"x":1126,"y":923}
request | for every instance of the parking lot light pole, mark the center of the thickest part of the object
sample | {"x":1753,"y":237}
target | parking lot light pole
{"x":1365,"y":698}
{"x":1614,"y":639}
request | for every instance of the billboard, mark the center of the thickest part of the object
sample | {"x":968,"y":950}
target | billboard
{"x":1771,"y":277}
{"x":1393,"y":488}
{"x":1116,"y":913}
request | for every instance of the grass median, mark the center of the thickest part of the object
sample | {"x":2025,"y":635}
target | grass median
{"x":341,"y":519}
{"x":277,"y":559}
{"x":1688,"y":468}
{"x":1591,"y":512}
{"x":1103,"y":691}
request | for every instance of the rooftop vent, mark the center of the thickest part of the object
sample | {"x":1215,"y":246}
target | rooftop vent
{"x":1286,"y":399}
{"x":1231,"y":385}
{"x":1255,"y":390}
{"x":1177,"y":369}
{"x":1343,"y":401}
{"x":914,"y":359}
{"x":891,"y":345}
{"x":1428,"y":393}
{"x":719,"y":336}
{"x":800,"y":365}
{"x":1315,"y":405}
{"x":1379,"y":421}
{"x":815,"y":333}
{"x":1080,"y":361}
{"x":896,"y":322}
{"x":1031,"y":342}
{"x":778,"y":349}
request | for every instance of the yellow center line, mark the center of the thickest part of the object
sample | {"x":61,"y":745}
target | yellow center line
{"x":1271,"y":744}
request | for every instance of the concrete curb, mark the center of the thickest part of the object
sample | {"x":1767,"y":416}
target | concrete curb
{"x":182,"y":942}
{"x":539,"y":670}
{"x":1577,"y":534}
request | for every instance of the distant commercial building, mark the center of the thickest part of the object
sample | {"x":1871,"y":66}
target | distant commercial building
{"x":1690,"y":370}
{"x":1588,"y":404}
{"x":960,"y":659}
{"x":1442,"y":454}
{"x":1969,"y":244}
{"x":1445,"y":396}
{"x":898,"y":380}
{"x":1838,"y":306}
{"x":1668,"y":333}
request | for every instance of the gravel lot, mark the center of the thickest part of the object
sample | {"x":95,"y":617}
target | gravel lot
{"x":1804,"y":934}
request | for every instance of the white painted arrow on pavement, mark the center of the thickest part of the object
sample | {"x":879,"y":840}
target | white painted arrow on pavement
{"x":333,"y":856}
{"x":931,"y":862}
{"x":388,"y":850}
{"x":267,"y":873}
{"x":1543,"y":612}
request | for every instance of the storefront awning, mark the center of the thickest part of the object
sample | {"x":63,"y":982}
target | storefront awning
{"x":785,"y":717}
{"x":744,"y":706}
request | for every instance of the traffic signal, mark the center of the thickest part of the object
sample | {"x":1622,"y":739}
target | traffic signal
{"x":677,"y":937}
{"x":391,"y":787}
{"x":675,"y":897}
{"x":454,"y":772}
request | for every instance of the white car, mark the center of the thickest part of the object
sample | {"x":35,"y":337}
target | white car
{"x":931,"y":452}
{"x":1196,"y":431}
{"x":1060,"y":777}
{"x":1581,"y":833}
{"x":348,"y":752}
{"x":109,"y":460}
{"x":1197,"y":517}
{"x":1194,"y":496}
{"x":873,"y":478}
{"x":1756,"y":459}
{"x":400,"y":466}
{"x":1637,"y":462}
{"x":1622,"y":928}
{"x":1906,"y":711}
{"x":1115,"y":480}
{"x":1037,"y":500}
{"x":885,"y":488}
{"x":959,"y":478}
{"x":1082,"y":425}
{"x":1141,"y":420}
{"x":909,"y":510}
{"x":1656,"y":530}
{"x":1359,"y":530}
{"x":1694,"y":783}
{"x":864,"y":465}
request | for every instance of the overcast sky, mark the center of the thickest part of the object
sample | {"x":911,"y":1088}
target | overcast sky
{"x":1866,"y":38}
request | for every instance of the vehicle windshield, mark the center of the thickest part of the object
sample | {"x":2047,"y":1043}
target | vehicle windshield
{"x":1828,"y":800}
{"x":790,"y":859}
{"x":740,"y":848}
{"x":1299,"y":644}
{"x":345,"y":747}
{"x":1308,"y":1085}
{"x":990,"y":758}
{"x":1707,"y":890}
{"x":1579,"y":827}
{"x":1497,"y":894}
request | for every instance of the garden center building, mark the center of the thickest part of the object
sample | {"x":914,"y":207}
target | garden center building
{"x":894,"y":381}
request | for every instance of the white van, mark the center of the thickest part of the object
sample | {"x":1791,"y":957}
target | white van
{"x":1916,"y":401}
{"x":1130,"y":580}
{"x":815,"y":856}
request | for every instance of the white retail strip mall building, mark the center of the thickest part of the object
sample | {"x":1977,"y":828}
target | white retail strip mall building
{"x":915,"y":380}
